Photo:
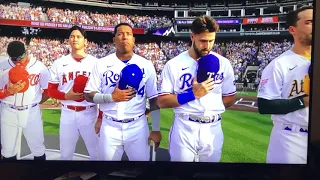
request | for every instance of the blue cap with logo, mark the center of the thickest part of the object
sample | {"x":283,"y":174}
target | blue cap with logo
{"x":207,"y":65}
{"x":130,"y":77}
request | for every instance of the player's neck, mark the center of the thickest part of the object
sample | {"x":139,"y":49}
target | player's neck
{"x":125,"y":56}
{"x":193,"y":54}
{"x":302,"y":50}
{"x":78,"y":54}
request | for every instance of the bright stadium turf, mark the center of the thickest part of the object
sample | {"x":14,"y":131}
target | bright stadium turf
{"x":246,"y":133}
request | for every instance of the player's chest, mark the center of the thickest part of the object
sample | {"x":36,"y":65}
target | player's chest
{"x":294,"y":80}
{"x":112,"y":74}
{"x":185,"y":75}
{"x":69,"y":71}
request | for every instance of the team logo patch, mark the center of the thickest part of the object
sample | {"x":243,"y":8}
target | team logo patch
{"x":263,"y":82}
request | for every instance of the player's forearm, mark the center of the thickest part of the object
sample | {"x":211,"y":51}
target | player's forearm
{"x":53,"y":92}
{"x":155,"y":114}
{"x":98,"y":98}
{"x":3,"y":94}
{"x":280,"y":106}
{"x":228,"y":101}
{"x":45,"y":96}
{"x":89,"y":96}
{"x":168,"y":101}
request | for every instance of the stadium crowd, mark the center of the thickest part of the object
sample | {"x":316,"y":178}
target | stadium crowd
{"x":240,"y":54}
{"x":81,"y":17}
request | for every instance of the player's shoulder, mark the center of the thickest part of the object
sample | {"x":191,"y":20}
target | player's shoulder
{"x":4,"y":63}
{"x":92,"y":58}
{"x":223,"y":60}
{"x":177,"y":59}
{"x":283,"y":61}
{"x":36,"y":63}
{"x":142,"y":61}
{"x":107,"y":60}
{"x":61,"y":59}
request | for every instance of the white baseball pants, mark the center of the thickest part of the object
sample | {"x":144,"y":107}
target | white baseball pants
{"x":73,"y":124}
{"x":30,"y":122}
{"x":287,"y":146}
{"x":117,"y":137}
{"x":193,"y":141}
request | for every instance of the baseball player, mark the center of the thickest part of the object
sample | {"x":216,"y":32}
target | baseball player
{"x":281,"y":93}
{"x":2,"y":58}
{"x":124,"y":125}
{"x":196,"y":133}
{"x":77,"y":115}
{"x":23,"y":80}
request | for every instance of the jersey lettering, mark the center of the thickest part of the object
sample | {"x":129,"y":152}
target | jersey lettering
{"x":218,"y":78}
{"x":111,"y":78}
{"x":34,"y":79}
{"x":72,"y":75}
{"x":297,"y":88}
{"x":186,"y":80}
{"x":141,"y":91}
{"x":143,"y":74}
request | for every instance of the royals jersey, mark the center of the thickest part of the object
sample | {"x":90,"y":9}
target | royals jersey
{"x":106,"y":75}
{"x":177,"y":77}
{"x":283,"y":79}
{"x":38,"y":80}
{"x":64,"y":70}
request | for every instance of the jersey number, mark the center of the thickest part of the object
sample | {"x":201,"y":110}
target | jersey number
{"x":141,"y":91}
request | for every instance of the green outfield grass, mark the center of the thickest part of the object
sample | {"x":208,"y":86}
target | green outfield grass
{"x":246,"y":134}
{"x":247,"y":93}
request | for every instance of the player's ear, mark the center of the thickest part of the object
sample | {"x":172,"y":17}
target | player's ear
{"x":134,"y":40}
{"x":292,"y":30}
{"x":85,"y":41}
{"x":192,"y":36}
{"x":114,"y":40}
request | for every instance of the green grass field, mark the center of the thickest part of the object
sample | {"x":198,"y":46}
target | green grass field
{"x":246,"y":134}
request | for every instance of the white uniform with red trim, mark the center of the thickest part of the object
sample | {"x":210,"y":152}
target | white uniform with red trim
{"x":124,"y":125}
{"x":22,"y":110}
{"x":283,"y":79}
{"x":74,"y":122}
{"x":190,"y":140}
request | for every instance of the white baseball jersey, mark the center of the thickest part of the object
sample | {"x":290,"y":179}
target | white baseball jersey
{"x":177,"y":77}
{"x":105,"y":76}
{"x":283,"y":79}
{"x":38,"y":80}
{"x":65,"y":69}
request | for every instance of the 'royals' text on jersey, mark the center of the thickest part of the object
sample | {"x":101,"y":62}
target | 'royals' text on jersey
{"x":66,"y":69}
{"x":38,"y":80}
{"x":283,"y":79}
{"x":106,"y":75}
{"x":177,"y":77}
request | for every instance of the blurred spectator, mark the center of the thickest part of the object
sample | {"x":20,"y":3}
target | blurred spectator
{"x":82,"y":17}
{"x":240,"y":54}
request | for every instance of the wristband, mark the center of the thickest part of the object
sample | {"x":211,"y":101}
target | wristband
{"x":155,"y":116}
{"x":102,"y":98}
{"x":185,"y":97}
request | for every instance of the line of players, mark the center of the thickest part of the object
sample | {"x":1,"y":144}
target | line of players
{"x":119,"y":121}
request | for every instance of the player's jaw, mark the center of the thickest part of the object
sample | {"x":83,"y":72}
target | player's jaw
{"x":201,"y":52}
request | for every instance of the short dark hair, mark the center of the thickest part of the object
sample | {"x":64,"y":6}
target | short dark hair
{"x":118,"y":25}
{"x":16,"y":50}
{"x":292,"y":17}
{"x":204,"y":23}
{"x":82,"y":31}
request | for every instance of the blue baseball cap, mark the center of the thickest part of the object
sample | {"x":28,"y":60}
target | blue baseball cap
{"x":208,"y":64}
{"x":130,"y":77}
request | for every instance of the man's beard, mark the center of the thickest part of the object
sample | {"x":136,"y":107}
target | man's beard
{"x":198,"y":52}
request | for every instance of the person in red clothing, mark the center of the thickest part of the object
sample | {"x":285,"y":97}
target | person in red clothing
{"x":78,"y":116}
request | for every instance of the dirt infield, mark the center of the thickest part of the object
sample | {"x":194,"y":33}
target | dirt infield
{"x":243,"y":103}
